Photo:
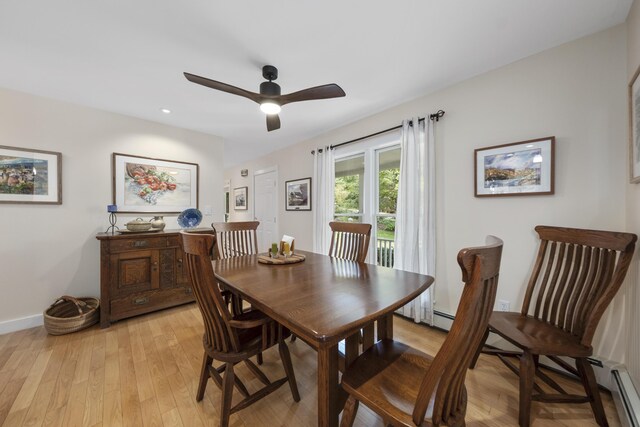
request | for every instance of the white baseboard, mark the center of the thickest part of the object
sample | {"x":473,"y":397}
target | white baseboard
{"x":14,"y":325}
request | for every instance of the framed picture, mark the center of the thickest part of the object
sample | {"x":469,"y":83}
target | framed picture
{"x":298,"y":195}
{"x":519,"y":169}
{"x":30,"y":176}
{"x":240,"y":202}
{"x":147,"y":185}
{"x":634,"y":127}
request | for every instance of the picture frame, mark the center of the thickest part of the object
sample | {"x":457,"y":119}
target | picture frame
{"x":522,"y":168}
{"x":29,"y":176}
{"x":634,"y":127}
{"x":149,"y":185}
{"x":298,"y":194}
{"x":240,"y":199}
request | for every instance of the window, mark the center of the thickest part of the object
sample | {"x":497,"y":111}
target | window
{"x":366,"y":189}
{"x":348,"y":190}
{"x":388,"y":178}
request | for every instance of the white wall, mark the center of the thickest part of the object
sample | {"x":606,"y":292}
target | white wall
{"x":633,"y":209}
{"x":47,"y":251}
{"x":575,"y":92}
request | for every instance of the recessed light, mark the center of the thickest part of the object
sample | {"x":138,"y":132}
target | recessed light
{"x":530,"y":146}
{"x":165,"y":110}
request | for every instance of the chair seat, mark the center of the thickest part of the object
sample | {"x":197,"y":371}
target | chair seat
{"x":537,"y":336}
{"x":387,"y":379}
{"x":250,"y":340}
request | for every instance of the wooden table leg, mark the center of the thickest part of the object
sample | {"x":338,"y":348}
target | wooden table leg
{"x":328,"y":388}
{"x":368,"y":336}
{"x":385,"y":327}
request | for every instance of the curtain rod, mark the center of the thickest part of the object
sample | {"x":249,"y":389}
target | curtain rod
{"x":435,"y":116}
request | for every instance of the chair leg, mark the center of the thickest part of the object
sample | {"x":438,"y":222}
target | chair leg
{"x":227,"y":394}
{"x":259,"y":359}
{"x":350,"y":411}
{"x":527,"y":373}
{"x":479,"y":349}
{"x":288,"y":369}
{"x":591,"y":388}
{"x":204,"y":376}
{"x":293,"y":337}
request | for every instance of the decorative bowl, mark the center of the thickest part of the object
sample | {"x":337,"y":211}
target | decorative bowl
{"x":189,"y":218}
{"x":138,"y":225}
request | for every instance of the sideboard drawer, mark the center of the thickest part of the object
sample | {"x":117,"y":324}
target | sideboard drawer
{"x":144,"y":302}
{"x":138,"y":243}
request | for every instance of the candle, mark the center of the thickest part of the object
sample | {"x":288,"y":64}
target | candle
{"x":112,"y":208}
{"x":274,"y":249}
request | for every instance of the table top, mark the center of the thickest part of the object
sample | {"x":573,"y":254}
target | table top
{"x":323,"y":299}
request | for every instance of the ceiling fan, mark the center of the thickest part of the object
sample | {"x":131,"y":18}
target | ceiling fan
{"x":269,"y":98}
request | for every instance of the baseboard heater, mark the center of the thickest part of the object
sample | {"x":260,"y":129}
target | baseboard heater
{"x":625,"y":396}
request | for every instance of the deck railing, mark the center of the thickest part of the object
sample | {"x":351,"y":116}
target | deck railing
{"x":384,"y":252}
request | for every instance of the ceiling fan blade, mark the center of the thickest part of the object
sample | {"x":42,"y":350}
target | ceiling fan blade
{"x":319,"y":92}
{"x":273,"y":122}
{"x":256,"y":97}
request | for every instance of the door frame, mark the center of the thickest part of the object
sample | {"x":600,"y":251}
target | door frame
{"x":277,"y":204}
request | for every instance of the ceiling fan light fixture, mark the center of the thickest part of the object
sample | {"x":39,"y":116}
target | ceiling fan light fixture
{"x":270,"y":107}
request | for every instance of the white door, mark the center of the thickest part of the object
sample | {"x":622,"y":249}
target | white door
{"x":266,"y":208}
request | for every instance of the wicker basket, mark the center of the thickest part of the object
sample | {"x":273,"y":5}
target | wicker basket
{"x":68,"y":314}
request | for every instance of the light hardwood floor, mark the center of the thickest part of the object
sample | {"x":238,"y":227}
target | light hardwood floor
{"x":144,"y":371}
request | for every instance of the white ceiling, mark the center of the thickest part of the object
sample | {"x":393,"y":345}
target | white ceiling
{"x":128,"y":56}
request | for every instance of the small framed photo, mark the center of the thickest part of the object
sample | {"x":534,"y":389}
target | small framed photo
{"x":30,"y":176}
{"x":240,"y":202}
{"x":298,"y":194}
{"x":147,"y":185}
{"x":518,"y":169}
{"x":634,"y":127}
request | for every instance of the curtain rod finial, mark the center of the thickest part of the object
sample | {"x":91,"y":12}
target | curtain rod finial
{"x":437,"y":116}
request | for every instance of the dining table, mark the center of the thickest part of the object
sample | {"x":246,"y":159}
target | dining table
{"x":325,"y":301}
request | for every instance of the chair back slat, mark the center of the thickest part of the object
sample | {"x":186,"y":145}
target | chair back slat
{"x":576,"y":275}
{"x":443,"y":385}
{"x":218,"y":336}
{"x":236,"y":238}
{"x":349,"y":240}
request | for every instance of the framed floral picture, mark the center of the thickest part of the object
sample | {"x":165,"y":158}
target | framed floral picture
{"x":634,"y":127}
{"x":240,"y":202}
{"x":30,"y":176}
{"x":518,"y":169}
{"x":148,"y":185}
{"x":298,"y":195}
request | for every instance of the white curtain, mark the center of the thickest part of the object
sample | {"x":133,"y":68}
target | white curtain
{"x":323,"y":177}
{"x":415,"y":237}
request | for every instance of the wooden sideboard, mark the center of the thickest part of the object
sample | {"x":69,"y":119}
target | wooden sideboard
{"x":141,"y":273}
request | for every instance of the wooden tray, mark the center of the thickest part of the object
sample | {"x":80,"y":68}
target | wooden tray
{"x":294,"y":258}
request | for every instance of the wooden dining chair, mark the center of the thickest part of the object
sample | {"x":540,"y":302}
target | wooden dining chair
{"x":236,"y":238}
{"x":231,"y":339}
{"x":349,"y":240}
{"x":575,"y":276}
{"x":407,"y":387}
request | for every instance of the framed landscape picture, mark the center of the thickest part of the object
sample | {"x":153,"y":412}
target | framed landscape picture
{"x":30,"y":176}
{"x":634,"y":127}
{"x":298,"y":195}
{"x":147,"y":185}
{"x":240,"y":199}
{"x":519,"y":169}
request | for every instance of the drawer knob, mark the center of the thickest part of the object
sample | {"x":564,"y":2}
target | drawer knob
{"x":188,"y":291}
{"x":141,"y":301}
